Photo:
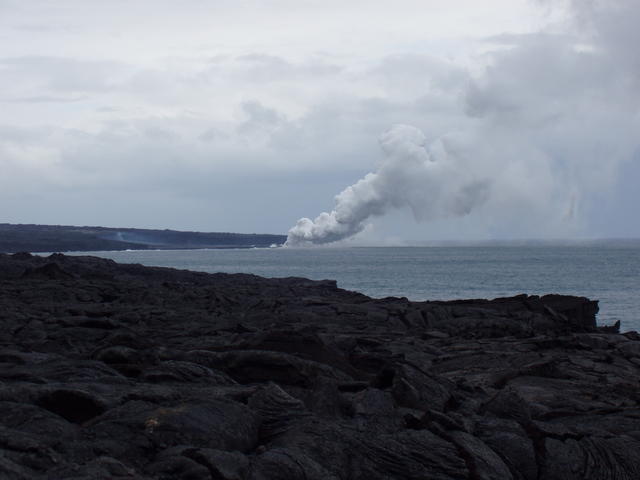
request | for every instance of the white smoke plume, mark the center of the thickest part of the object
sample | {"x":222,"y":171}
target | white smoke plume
{"x":550,"y":127}
{"x":431,"y":180}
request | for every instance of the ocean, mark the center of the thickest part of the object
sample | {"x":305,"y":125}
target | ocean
{"x":609,"y":274}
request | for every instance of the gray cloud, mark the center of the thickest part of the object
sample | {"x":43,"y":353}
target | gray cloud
{"x":259,"y":118}
{"x":270,"y":68}
{"x":261,"y":134}
{"x":61,"y":74}
{"x":46,"y":99}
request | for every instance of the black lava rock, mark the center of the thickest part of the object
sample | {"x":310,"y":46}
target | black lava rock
{"x":125,"y":371}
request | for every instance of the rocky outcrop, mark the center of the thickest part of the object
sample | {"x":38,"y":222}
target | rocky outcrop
{"x":125,"y":371}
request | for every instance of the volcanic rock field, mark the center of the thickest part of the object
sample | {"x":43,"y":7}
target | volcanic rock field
{"x":124,"y":371}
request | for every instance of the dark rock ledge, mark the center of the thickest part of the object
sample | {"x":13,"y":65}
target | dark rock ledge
{"x":123,"y":371}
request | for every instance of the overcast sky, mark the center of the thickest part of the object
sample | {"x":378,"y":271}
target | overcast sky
{"x":245,"y":115}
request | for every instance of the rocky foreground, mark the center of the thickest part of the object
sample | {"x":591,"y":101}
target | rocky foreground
{"x":124,"y":371}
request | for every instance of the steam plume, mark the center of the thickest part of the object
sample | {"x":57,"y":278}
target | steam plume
{"x":431,"y":180}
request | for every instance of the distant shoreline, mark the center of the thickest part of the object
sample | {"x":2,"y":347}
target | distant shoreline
{"x":64,"y":238}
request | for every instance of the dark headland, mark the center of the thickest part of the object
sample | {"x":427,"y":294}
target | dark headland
{"x":61,"y":238}
{"x":124,"y":371}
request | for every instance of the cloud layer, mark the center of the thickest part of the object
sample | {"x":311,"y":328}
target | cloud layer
{"x":221,"y":119}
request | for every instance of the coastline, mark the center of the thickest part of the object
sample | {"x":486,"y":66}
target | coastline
{"x":63,"y":238}
{"x":434,"y":273}
{"x":159,"y":372}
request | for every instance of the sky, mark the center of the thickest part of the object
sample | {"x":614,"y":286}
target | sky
{"x":249,"y":115}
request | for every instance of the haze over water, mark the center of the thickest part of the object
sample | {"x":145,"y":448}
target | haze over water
{"x":606,"y":273}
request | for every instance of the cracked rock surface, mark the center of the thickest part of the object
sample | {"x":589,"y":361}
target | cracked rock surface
{"x":124,"y":371}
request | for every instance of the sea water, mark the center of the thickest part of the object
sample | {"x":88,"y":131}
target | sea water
{"x":608,"y":274}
